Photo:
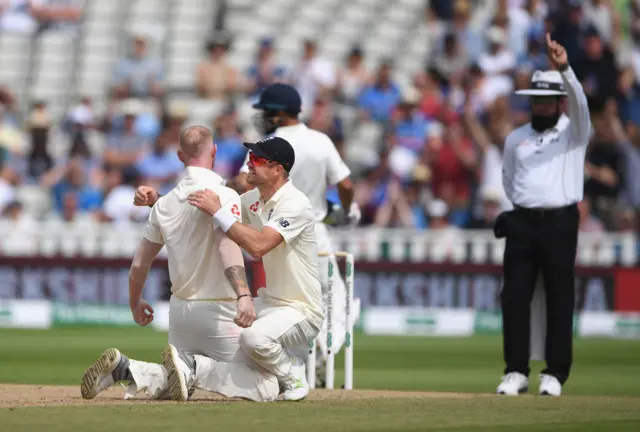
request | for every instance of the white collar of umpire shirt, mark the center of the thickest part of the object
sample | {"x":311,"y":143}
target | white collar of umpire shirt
{"x":561,"y":125}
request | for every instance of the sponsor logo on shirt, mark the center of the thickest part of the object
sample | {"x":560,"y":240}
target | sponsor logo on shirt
{"x":254,"y":207}
{"x":235,"y":210}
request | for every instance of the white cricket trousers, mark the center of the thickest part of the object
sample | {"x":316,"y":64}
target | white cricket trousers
{"x":339,"y":291}
{"x":278,"y":335}
{"x":206,"y":330}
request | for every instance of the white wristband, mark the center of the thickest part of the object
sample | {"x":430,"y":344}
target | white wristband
{"x":224,"y":219}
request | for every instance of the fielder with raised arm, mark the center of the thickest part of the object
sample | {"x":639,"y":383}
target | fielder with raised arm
{"x":318,"y":164}
{"x":280,"y":230}
{"x":210,"y":299}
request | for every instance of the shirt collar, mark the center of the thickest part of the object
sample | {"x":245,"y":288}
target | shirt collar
{"x":292,"y":128}
{"x":199,"y":172}
{"x":280,"y":192}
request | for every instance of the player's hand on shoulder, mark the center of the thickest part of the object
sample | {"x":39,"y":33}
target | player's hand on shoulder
{"x":145,"y":196}
{"x":246,"y":314}
{"x":142,"y":312}
{"x":205,"y":200}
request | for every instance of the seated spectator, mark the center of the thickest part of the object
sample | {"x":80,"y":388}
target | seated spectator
{"x":491,"y":207}
{"x":568,"y":26}
{"x":160,"y":166}
{"x":265,"y":72}
{"x":12,"y":139}
{"x":535,"y":57}
{"x":15,"y":17}
{"x":175,"y":116}
{"x":432,"y":100}
{"x":323,"y":118}
{"x":454,"y":165}
{"x":631,"y":148}
{"x":313,"y":76}
{"x":499,"y":61}
{"x":596,"y":69}
{"x":23,"y":223}
{"x":604,"y":169}
{"x":9,"y":109}
{"x":118,"y":206}
{"x":216,"y":79}
{"x":138,"y":75}
{"x":74,"y":193}
{"x":39,"y":161}
{"x":57,"y":15}
{"x":401,"y":209}
{"x":519,"y":106}
{"x":471,"y":42}
{"x":80,"y":117}
{"x":447,"y":241}
{"x":601,"y":15}
{"x":227,"y":135}
{"x":126,"y":146}
{"x":379,"y":100}
{"x":588,"y":222}
{"x":7,"y":183}
{"x":452,"y":61}
{"x":353,"y":77}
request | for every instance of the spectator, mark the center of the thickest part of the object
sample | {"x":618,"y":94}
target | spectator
{"x":81,"y":116}
{"x":588,"y":222}
{"x":265,"y":72}
{"x":452,"y":61}
{"x":73,"y":192}
{"x":313,"y":76}
{"x":447,"y":239}
{"x":15,"y":17}
{"x":467,"y":36}
{"x":353,"y":78}
{"x":138,"y":75}
{"x":12,"y":140}
{"x":118,"y":205}
{"x":126,"y":146}
{"x":227,"y":135}
{"x":491,"y":199}
{"x":409,"y":135}
{"x":401,"y":208}
{"x":454,"y":165}
{"x":604,"y":168}
{"x":568,"y":26}
{"x":379,"y":100}
{"x":39,"y":160}
{"x":499,"y":62}
{"x":7,"y":182}
{"x":160,"y":167}
{"x":597,"y":70}
{"x":535,"y":58}
{"x":216,"y":79}
{"x":600,"y":14}
{"x":23,"y":223}
{"x":175,"y":117}
{"x":432,"y":100}
{"x":323,"y":118}
{"x":57,"y":15}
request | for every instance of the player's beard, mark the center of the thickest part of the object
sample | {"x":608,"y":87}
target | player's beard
{"x":264,"y":122}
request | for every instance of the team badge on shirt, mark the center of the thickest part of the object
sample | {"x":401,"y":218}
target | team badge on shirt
{"x":283,"y":222}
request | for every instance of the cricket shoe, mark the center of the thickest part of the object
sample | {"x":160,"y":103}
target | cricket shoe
{"x":513,"y":384}
{"x":549,"y":385}
{"x":111,"y":367}
{"x":181,"y":368}
{"x":295,"y":386}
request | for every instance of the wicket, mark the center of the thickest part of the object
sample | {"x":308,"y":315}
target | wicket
{"x":348,"y":344}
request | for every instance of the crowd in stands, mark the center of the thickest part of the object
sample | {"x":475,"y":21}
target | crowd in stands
{"x":439,"y":157}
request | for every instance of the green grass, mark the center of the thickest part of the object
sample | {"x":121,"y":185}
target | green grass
{"x":603,"y":392}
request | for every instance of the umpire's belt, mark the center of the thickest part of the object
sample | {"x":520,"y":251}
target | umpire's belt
{"x":541,"y":212}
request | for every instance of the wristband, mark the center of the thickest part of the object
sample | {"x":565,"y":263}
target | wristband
{"x":224,"y":219}
{"x":151,"y":205}
{"x":243,"y":295}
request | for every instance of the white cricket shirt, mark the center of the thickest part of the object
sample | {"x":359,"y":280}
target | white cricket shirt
{"x":317,"y":164}
{"x":291,"y":268}
{"x":546,"y":169}
{"x":195,"y":267}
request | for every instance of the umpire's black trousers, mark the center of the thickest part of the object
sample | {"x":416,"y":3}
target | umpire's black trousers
{"x":539,"y":241}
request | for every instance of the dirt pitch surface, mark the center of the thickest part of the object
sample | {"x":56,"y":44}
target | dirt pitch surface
{"x":12,"y":396}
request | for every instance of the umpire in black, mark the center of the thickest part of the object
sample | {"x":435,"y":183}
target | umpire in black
{"x":543,"y":176}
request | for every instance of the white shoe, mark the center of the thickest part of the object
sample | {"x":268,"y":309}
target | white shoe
{"x":296,"y":386}
{"x":549,"y":385}
{"x":513,"y":384}
{"x":110,"y":368}
{"x":179,"y":373}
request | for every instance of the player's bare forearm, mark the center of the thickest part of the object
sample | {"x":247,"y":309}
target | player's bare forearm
{"x":135,"y":290}
{"x":345,"y":193}
{"x":146,"y":253}
{"x":256,"y":243}
{"x":237,"y":277}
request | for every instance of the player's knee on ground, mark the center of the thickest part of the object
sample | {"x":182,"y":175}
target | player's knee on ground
{"x":254,"y":343}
